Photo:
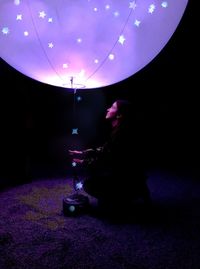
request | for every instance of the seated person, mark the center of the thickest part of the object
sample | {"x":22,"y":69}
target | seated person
{"x":115,"y":170}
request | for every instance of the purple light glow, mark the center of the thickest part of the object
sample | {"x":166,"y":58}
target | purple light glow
{"x":85,"y":43}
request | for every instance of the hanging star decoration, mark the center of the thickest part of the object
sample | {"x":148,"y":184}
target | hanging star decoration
{"x":79,"y":98}
{"x":75,"y":131}
{"x":74,"y":164}
{"x":79,"y":185}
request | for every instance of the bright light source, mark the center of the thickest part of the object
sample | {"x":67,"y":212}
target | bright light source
{"x":98,"y":43}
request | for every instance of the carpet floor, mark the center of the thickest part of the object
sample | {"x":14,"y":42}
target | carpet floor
{"x":34,"y":232}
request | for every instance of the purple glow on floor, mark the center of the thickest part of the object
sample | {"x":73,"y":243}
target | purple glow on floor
{"x":85,"y":43}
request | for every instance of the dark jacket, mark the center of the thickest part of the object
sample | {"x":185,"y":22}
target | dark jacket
{"x":117,"y":166}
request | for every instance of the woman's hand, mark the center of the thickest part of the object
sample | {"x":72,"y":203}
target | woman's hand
{"x":79,"y":161}
{"x":73,"y":152}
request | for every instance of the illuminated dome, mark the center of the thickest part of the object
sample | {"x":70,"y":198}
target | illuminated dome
{"x":85,"y":43}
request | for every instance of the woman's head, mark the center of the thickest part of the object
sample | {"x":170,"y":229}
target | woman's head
{"x":120,"y":110}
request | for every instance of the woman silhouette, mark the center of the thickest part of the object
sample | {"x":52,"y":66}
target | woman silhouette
{"x":115,"y":170}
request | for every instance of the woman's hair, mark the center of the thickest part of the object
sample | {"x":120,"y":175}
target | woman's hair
{"x":124,"y":108}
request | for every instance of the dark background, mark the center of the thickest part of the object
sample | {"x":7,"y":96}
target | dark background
{"x":36,"y":119}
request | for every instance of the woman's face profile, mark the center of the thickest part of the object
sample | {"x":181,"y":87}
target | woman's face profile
{"x":112,"y":111}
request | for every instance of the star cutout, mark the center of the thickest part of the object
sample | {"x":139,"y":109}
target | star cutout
{"x":79,"y":185}
{"x":79,"y":98}
{"x":137,"y":23}
{"x":50,"y":45}
{"x":121,"y":39}
{"x":75,"y":131}
{"x":152,"y":8}
{"x":132,"y":5}
{"x":73,"y":164}
{"x":26,"y":33}
{"x":164,"y":4}
{"x":50,"y":19}
{"x":5,"y":30}
{"x":19,"y":17}
{"x":111,"y":56}
{"x":42,"y":14}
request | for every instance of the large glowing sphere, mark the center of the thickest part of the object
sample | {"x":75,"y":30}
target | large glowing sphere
{"x":85,"y":43}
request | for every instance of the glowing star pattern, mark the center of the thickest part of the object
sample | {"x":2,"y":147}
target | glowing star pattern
{"x":74,"y":164}
{"x":42,"y":14}
{"x":132,"y":5}
{"x":75,"y":131}
{"x":111,"y":57}
{"x":164,"y":4}
{"x":121,"y":39}
{"x":79,"y":186}
{"x":152,"y":8}
{"x":137,"y":23}
{"x":98,"y":43}
{"x":5,"y":30}
{"x":79,"y":98}
{"x":19,"y":17}
{"x":50,"y":45}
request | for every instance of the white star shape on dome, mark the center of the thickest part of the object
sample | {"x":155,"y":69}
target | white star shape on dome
{"x":137,"y":23}
{"x":42,"y":14}
{"x":50,"y":45}
{"x":26,"y":33}
{"x":79,"y":186}
{"x":111,"y":56}
{"x":19,"y":17}
{"x":164,"y":4}
{"x":152,"y":8}
{"x":5,"y":30}
{"x":50,"y":19}
{"x":132,"y":5}
{"x":121,"y":39}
